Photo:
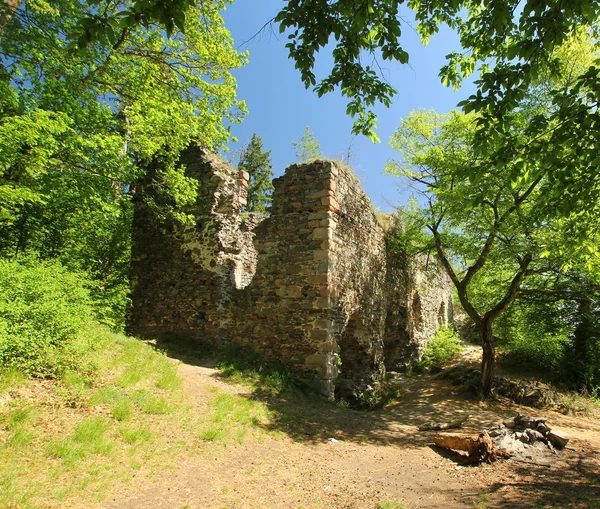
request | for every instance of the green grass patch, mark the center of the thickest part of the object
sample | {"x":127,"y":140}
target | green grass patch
{"x":18,"y":423}
{"x":10,"y":379}
{"x":74,"y":456}
{"x":88,"y":439}
{"x":17,"y":417}
{"x":91,"y":433}
{"x":232,"y":418}
{"x":151,"y":403}
{"x":21,"y":437}
{"x":134,"y":434}
{"x":391,"y":504}
{"x":238,"y":409}
{"x":106,"y":395}
{"x":133,"y":374}
{"x":212,"y":434}
{"x":122,"y":410}
{"x":67,"y":450}
{"x":166,"y":375}
{"x":244,"y":367}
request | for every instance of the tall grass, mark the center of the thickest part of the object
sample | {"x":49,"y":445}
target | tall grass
{"x":248,"y":368}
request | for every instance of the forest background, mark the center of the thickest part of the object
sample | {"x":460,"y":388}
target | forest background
{"x":92,"y":92}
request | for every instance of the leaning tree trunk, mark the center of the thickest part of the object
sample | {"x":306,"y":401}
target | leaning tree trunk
{"x":488,"y":360}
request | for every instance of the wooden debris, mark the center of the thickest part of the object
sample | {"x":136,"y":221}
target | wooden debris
{"x":479,"y":448}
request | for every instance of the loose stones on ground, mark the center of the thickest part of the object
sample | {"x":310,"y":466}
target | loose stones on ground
{"x":526,"y":436}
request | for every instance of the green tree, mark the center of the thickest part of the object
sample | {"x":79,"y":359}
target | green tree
{"x":555,"y":321}
{"x":497,"y":240}
{"x":307,"y":149}
{"x":508,"y":43}
{"x":258,"y":165}
{"x":78,"y":128}
{"x":109,"y":26}
{"x":483,"y":229}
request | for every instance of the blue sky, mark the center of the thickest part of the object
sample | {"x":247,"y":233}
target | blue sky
{"x":280,"y":107}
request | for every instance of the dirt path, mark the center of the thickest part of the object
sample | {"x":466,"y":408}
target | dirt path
{"x":376,"y":457}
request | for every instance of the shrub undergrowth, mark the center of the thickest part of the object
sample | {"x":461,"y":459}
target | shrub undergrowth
{"x":43,"y":311}
{"x":443,"y":348}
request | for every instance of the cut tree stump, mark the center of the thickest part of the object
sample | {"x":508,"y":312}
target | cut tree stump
{"x":479,"y":448}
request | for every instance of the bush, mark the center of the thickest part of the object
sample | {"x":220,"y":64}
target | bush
{"x":43,"y":308}
{"x":443,"y":348}
{"x":543,"y":352}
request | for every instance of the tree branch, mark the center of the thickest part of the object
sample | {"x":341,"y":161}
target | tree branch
{"x":512,"y":291}
{"x":461,"y":286}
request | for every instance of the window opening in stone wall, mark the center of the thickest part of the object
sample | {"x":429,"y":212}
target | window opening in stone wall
{"x":396,"y":339}
{"x":417,"y":311}
{"x":442,"y":314}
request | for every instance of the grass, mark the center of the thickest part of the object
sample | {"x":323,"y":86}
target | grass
{"x":233,"y":419}
{"x":391,"y":504}
{"x":263,"y":376}
{"x":150,"y":403}
{"x":443,"y":348}
{"x":11,"y":378}
{"x":132,"y":434}
{"x":122,"y":410}
{"x":105,"y":425}
{"x":17,"y":422}
{"x":79,"y":434}
{"x":576,"y":404}
{"x":482,"y":502}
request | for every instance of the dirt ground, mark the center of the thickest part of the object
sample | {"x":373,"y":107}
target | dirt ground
{"x":376,"y":457}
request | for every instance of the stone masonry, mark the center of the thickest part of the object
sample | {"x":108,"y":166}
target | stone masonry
{"x":312,"y":285}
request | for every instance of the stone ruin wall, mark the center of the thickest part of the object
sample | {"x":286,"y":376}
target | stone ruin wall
{"x":312,"y":285}
{"x":284,"y":312}
{"x":182,"y":279}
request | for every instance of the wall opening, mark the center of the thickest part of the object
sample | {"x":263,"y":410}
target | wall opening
{"x":355,"y":360}
{"x":396,"y":340}
{"x":417,"y":312}
{"x":442,"y":321}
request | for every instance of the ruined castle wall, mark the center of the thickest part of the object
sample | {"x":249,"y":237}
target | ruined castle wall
{"x":421,"y":305}
{"x":182,"y":278}
{"x":431,"y":302}
{"x":357,"y":265}
{"x":284,"y":312}
{"x":319,"y":298}
{"x":312,"y":285}
{"x":398,"y":329}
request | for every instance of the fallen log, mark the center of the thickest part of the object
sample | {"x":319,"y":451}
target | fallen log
{"x":441,"y":426}
{"x":479,"y":448}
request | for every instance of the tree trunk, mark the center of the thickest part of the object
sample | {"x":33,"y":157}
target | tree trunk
{"x":488,"y":361}
{"x":479,"y":448}
{"x":581,"y":344}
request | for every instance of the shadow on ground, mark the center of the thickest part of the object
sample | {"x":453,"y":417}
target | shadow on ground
{"x":573,"y":482}
{"x":306,"y":417}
